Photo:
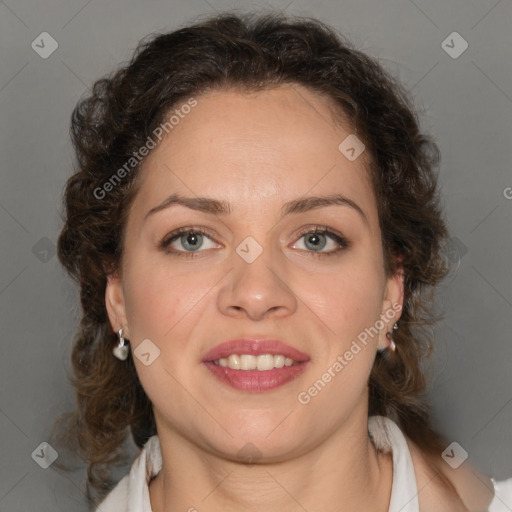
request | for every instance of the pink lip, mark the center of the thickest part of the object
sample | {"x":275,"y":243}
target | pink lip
{"x":254,"y":380}
{"x":255,"y":348}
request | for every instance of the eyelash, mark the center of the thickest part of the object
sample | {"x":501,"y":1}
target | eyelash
{"x":323,"y":230}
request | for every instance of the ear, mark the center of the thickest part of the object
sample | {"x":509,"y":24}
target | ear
{"x":115,"y":304}
{"x":392,"y":305}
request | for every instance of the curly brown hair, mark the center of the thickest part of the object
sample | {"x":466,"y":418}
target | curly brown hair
{"x":249,"y":53}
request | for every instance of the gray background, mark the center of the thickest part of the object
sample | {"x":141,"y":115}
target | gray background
{"x":466,"y":104}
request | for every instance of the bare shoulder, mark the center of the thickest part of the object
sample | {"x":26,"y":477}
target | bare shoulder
{"x":443,"y":489}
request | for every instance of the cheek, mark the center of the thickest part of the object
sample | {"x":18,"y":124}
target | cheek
{"x":348,"y":300}
{"x":164,"y":307}
{"x":158,"y":299}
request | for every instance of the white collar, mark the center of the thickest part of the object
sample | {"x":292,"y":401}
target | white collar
{"x":387,"y":436}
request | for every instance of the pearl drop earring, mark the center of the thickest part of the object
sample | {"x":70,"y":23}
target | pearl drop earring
{"x":121,"y":349}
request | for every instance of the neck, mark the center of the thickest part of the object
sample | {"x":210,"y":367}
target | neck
{"x":344,"y":473}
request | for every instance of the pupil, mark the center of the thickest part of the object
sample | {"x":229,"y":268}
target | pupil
{"x":192,"y":240}
{"x":315,"y":239}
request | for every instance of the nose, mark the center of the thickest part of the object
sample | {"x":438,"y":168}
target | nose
{"x":257,"y":289}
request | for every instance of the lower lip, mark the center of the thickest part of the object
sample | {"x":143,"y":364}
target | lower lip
{"x":255,"y":380}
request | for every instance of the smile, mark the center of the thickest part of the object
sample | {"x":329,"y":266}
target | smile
{"x":263,"y":362}
{"x":255,"y":365}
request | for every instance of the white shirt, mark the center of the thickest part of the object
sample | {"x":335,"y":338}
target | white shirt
{"x":131,"y":494}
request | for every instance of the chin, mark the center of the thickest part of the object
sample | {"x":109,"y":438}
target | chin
{"x":262,"y":437}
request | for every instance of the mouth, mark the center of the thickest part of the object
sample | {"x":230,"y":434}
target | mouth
{"x":261,"y":363}
{"x":255,"y":365}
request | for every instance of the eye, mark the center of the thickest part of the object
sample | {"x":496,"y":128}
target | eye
{"x":318,"y":241}
{"x":318,"y":238}
{"x":190,"y":239}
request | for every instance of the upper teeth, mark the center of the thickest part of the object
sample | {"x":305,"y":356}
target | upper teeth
{"x":250,"y":362}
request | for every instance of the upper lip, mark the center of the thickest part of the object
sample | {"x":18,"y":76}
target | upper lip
{"x":255,"y":347}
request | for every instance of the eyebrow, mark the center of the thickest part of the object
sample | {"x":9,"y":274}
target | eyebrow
{"x":217,"y":207}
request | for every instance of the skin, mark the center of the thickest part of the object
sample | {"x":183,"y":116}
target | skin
{"x":443,"y":488}
{"x":257,"y":151}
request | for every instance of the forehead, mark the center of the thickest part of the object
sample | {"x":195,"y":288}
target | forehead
{"x":256,"y":149}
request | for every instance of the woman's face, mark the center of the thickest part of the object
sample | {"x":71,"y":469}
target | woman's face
{"x":255,"y":274}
